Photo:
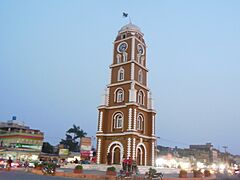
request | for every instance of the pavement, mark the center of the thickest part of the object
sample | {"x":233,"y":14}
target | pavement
{"x":22,"y":175}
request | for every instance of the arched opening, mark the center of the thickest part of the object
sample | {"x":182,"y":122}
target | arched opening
{"x":141,"y":155}
{"x":116,"y":155}
{"x":116,"y":151}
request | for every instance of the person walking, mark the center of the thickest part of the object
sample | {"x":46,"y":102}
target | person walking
{"x":9,"y":163}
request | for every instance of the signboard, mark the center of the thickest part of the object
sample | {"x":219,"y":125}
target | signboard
{"x":85,"y":146}
{"x":63,"y":152}
{"x":28,"y":146}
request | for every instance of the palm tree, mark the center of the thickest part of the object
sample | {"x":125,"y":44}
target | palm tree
{"x":77,"y":132}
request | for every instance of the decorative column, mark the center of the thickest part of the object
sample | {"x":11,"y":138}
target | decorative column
{"x":135,"y":119}
{"x":99,"y":151}
{"x":153,"y":153}
{"x":100,"y":121}
{"x":130,"y":119}
{"x":129,"y":148}
{"x":134,"y":149}
{"x":153,"y":125}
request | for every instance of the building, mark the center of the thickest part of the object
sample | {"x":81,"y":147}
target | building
{"x":19,"y":141}
{"x":126,"y":120}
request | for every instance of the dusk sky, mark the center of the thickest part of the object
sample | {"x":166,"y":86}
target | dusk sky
{"x":55,"y":57}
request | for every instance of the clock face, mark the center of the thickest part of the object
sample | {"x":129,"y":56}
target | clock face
{"x":140,"y":49}
{"x":122,"y":47}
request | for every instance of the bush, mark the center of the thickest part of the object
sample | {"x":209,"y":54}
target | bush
{"x":197,"y":173}
{"x":112,"y":168}
{"x":79,"y":167}
{"x":38,"y":165}
{"x":207,"y":173}
{"x":183,"y":174}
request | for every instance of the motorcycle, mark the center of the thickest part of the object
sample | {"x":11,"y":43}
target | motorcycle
{"x":48,"y":170}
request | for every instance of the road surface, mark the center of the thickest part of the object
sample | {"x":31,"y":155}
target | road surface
{"x":21,"y":175}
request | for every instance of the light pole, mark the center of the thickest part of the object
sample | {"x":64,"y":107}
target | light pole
{"x":225,"y":153}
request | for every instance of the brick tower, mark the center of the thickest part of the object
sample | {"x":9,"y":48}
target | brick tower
{"x":126,"y":120}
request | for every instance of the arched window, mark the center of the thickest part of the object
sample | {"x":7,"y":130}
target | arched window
{"x":118,"y":58}
{"x":118,"y":121}
{"x":124,"y":56}
{"x":141,"y":97}
{"x":140,"y":122}
{"x":142,"y":60}
{"x":140,"y":76}
{"x":121,"y":74}
{"x":138,"y":57}
{"x":119,"y":95}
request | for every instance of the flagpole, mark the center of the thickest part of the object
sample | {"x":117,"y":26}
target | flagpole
{"x":130,"y":20}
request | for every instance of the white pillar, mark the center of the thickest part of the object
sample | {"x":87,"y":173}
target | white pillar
{"x":153,"y":153}
{"x":99,"y":151}
{"x":129,"y":148}
{"x":100,"y":121}
{"x":134,"y":149}
{"x":130,"y":119}
{"x":134,"y":119}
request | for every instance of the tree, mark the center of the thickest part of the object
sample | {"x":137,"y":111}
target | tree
{"x":69,"y":143}
{"x":72,"y":135}
{"x":77,"y":132}
{"x":47,"y":148}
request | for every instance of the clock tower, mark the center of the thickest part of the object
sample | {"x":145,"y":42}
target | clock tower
{"x":126,"y":120}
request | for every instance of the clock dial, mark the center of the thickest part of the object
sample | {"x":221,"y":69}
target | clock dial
{"x":122,"y":47}
{"x":140,"y":49}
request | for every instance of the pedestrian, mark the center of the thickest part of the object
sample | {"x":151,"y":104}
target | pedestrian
{"x":124,"y":163}
{"x":9,"y":163}
{"x":26,"y":165}
{"x":129,"y":164}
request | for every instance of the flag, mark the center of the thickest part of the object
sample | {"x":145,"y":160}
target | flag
{"x":125,"y":14}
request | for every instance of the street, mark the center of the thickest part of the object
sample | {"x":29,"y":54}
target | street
{"x":21,"y":175}
{"x":225,"y":177}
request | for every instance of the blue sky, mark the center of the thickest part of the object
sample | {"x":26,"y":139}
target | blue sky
{"x":54,"y":58}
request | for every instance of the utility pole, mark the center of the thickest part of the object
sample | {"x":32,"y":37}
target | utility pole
{"x":225,"y":150}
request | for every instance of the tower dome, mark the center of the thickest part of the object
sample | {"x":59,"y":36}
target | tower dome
{"x":130,"y":27}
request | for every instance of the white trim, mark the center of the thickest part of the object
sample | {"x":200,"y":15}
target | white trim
{"x":127,"y":82}
{"x":127,"y":62}
{"x":130,"y":119}
{"x":114,"y":123}
{"x":140,"y":76}
{"x":99,"y":151}
{"x":133,"y":48}
{"x":141,"y":123}
{"x":141,"y":153}
{"x":113,"y":149}
{"x":139,"y":41}
{"x":134,"y":148}
{"x":139,"y":44}
{"x":153,"y":125}
{"x":100,"y":121}
{"x":153,"y":153}
{"x":129,"y":147}
{"x":121,"y":148}
{"x":126,"y":133}
{"x":134,"y":119}
{"x":116,"y":95}
{"x":132,"y":71}
{"x":122,"y":40}
{"x":118,"y":58}
{"x":142,"y":98}
{"x":121,"y":71}
{"x":145,"y":150}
